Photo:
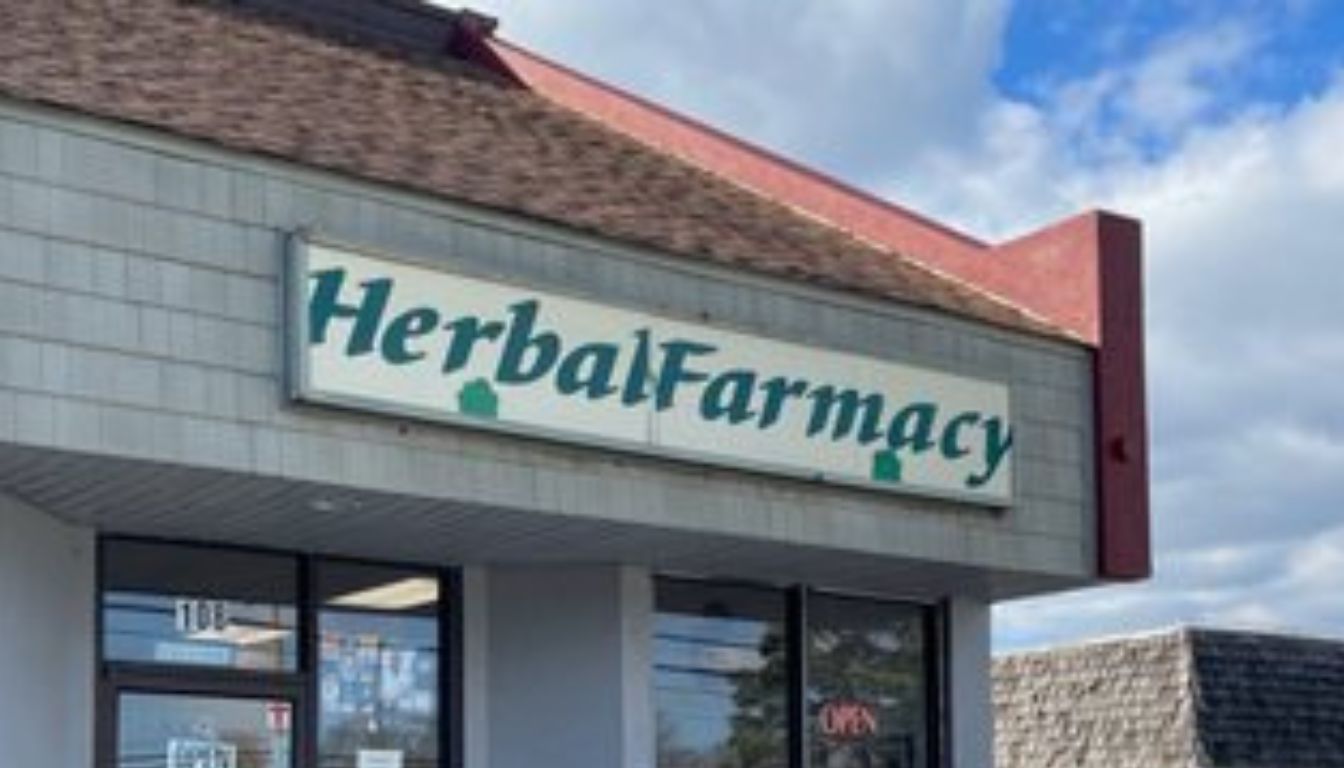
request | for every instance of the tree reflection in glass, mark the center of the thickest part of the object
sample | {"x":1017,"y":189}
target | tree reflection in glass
{"x":720,"y":677}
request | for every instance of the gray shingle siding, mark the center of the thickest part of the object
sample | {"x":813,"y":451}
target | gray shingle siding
{"x":140,"y":317}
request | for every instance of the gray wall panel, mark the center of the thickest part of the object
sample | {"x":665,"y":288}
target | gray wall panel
{"x":140,"y":315}
{"x":47,"y":670}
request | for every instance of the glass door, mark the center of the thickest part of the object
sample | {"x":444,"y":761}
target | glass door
{"x":201,"y":650}
{"x":217,"y":657}
{"x":759,"y":677}
{"x":163,"y":730}
{"x":867,"y":684}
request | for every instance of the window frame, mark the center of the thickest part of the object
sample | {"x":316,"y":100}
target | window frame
{"x":936,"y":658}
{"x":299,"y":686}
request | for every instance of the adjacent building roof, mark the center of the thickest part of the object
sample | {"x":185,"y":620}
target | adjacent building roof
{"x":1189,"y":698}
{"x":437,"y":125}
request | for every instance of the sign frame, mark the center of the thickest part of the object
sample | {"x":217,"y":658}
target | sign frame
{"x":300,"y":389}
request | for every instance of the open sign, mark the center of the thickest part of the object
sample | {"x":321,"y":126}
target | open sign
{"x":846,"y":720}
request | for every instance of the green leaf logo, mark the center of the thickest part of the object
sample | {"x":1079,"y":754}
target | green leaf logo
{"x":477,"y":398}
{"x":886,"y":467}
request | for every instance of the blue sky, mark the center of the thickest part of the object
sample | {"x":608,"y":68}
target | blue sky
{"x":1051,"y":41}
{"x":1219,"y":123}
{"x":1292,"y":49}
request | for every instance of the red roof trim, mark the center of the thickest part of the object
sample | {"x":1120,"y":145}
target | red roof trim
{"x":674,"y":131}
{"x":1054,"y":285}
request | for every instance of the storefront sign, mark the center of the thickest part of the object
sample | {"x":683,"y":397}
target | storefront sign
{"x":384,"y":335}
{"x":201,"y":753}
{"x":845,"y":720}
{"x":279,"y":717}
{"x":193,"y":616}
{"x":379,"y":758}
{"x":167,"y":652}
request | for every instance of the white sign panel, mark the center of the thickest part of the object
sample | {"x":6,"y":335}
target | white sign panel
{"x":385,"y":335}
{"x":379,"y":758}
{"x":201,"y":753}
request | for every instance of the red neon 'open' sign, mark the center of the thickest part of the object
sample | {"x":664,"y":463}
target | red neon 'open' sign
{"x":847,"y":720}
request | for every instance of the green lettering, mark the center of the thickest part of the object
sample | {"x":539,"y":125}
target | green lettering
{"x":636,"y":386}
{"x":738,"y":385}
{"x":589,"y":368}
{"x":324,"y":306}
{"x":673,"y":371}
{"x":543,"y":347}
{"x":777,"y":390}
{"x":466,"y":332}
{"x":912,"y":427}
{"x":951,"y":443}
{"x":998,"y":442}
{"x":404,"y":327}
{"x":825,"y":400}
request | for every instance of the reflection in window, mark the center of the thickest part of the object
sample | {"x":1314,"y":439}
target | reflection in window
{"x":172,"y":604}
{"x":867,"y":684}
{"x":720,"y":677}
{"x":379,"y":666}
{"x":157,"y":730}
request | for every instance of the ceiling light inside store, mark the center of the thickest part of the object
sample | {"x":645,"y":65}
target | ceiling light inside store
{"x":393,"y":596}
{"x":240,"y":635}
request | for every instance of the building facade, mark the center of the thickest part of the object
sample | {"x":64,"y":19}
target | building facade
{"x":368,"y":400}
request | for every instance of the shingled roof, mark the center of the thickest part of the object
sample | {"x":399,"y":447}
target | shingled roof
{"x":251,"y":83}
{"x":1189,"y":698}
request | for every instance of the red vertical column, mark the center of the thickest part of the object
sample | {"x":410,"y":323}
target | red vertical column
{"x":1124,"y":536}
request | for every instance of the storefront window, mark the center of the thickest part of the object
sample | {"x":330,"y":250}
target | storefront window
{"x":720,"y":677}
{"x":378,"y":667}
{"x":199,"y":606}
{"x":867,"y":684}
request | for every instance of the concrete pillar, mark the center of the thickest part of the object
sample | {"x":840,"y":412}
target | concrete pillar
{"x":972,"y":726}
{"x":46,"y":633}
{"x":568,"y":681}
{"x":475,"y":667}
{"x":637,"y":615}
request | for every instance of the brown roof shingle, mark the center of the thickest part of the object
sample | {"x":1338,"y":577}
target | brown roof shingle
{"x":259,"y":86}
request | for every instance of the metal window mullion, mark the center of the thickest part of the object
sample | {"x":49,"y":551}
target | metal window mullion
{"x":797,"y":660}
{"x":307,"y":722}
{"x":452,"y":693}
{"x":938,"y":674}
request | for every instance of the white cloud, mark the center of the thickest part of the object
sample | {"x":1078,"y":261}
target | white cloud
{"x":1291,"y":587}
{"x":852,"y":86}
{"x":1246,"y":350}
{"x":1180,"y":81}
